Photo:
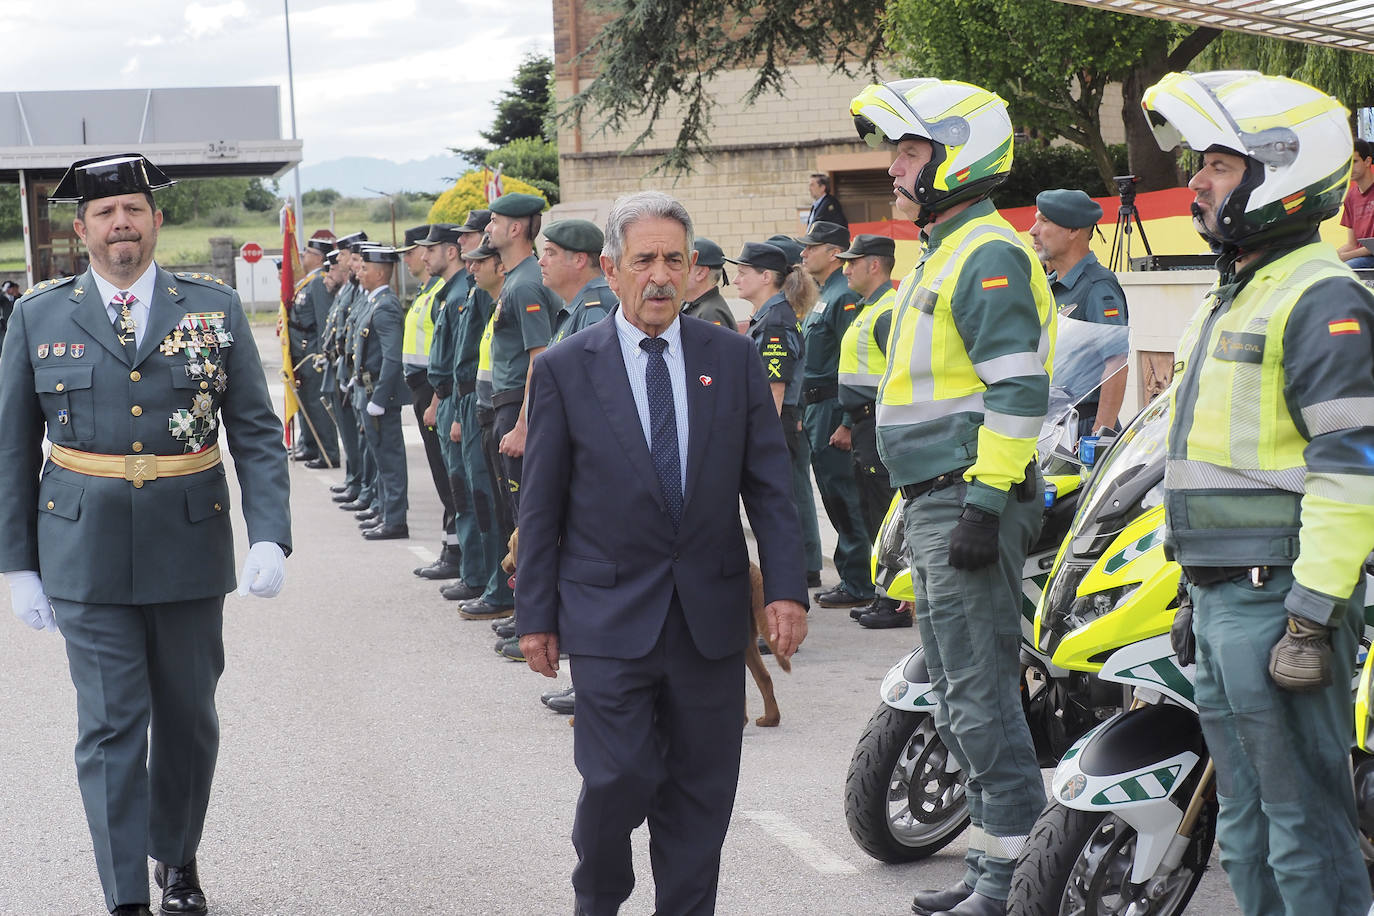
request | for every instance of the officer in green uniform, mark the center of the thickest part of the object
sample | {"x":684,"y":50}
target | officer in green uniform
{"x":521,"y":329}
{"x":571,"y":267}
{"x":121,"y":539}
{"x":379,"y":390}
{"x":416,"y":340}
{"x":306,"y":319}
{"x":1269,"y":481}
{"x":440,"y":249}
{"x":488,"y":275}
{"x":863,"y":358}
{"x":367,"y":505}
{"x":959,"y":410}
{"x":704,"y":280}
{"x":338,"y":372}
{"x":802,"y":491}
{"x":1083,"y":289}
{"x":822,"y":414}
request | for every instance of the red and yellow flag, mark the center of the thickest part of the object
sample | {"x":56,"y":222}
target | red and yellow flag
{"x":290,"y":268}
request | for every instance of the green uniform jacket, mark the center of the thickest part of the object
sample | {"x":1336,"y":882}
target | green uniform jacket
{"x":101,"y":540}
{"x":712,"y":307}
{"x":524,"y":321}
{"x":1093,"y":291}
{"x":443,"y":350}
{"x":592,"y":303}
{"x":377,"y":352}
{"x":824,"y":328}
{"x":473,"y":316}
{"x":777,"y":334}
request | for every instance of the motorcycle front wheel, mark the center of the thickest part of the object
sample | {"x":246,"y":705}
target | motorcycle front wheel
{"x":904,"y":795}
{"x":1078,"y":863}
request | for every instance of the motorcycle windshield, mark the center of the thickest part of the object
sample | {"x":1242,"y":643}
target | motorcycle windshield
{"x":1086,"y":355}
{"x":1126,"y":481}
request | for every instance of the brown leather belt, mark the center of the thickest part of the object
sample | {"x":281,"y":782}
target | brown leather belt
{"x":137,"y":469}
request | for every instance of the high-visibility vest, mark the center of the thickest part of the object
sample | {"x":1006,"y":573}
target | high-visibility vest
{"x":930,"y":408}
{"x":862,"y":361}
{"x":419,"y":326}
{"x":1237,"y":487}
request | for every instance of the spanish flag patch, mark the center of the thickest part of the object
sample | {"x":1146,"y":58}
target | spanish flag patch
{"x":1110,"y":313}
{"x":1344,"y":326}
{"x":961,"y":176}
{"x":850,"y":307}
{"x":532,"y":308}
{"x":1293,"y":202}
{"x":994,"y":282}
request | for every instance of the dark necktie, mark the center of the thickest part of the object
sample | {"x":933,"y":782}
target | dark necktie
{"x":124,"y":323}
{"x":663,"y":427}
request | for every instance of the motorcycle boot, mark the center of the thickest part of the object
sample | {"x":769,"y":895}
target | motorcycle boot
{"x":926,"y":903}
{"x":976,"y":905}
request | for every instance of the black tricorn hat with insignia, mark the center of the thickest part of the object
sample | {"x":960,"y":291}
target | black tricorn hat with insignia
{"x":108,"y":176}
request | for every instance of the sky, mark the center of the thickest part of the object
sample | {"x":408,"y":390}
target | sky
{"x":400,"y":79}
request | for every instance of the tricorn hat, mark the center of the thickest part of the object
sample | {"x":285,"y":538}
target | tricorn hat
{"x":108,"y":176}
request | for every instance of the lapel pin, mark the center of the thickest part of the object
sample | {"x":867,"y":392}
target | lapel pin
{"x":705,"y":381}
{"x":78,"y":350}
{"x":42,"y":351}
{"x":62,"y":417}
{"x":59,"y":349}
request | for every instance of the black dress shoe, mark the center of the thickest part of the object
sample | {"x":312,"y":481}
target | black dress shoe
{"x":877,"y":604}
{"x":440,"y":569}
{"x":343,"y":488}
{"x":344,"y":496}
{"x":319,"y":464}
{"x":839,"y":596}
{"x":556,"y":692}
{"x":504,"y":628}
{"x":357,"y":505}
{"x":132,"y":909}
{"x":387,"y":533}
{"x":180,"y":885}
{"x":927,"y":902}
{"x":563,"y":703}
{"x":813,"y":578}
{"x":975,"y":905}
{"x":461,"y":591}
{"x":510,"y":648}
{"x":368,"y":519}
{"x":885,"y":619}
{"x":480,"y":610}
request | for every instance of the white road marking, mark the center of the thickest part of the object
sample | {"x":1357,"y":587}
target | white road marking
{"x":424,"y":553}
{"x":806,"y":847}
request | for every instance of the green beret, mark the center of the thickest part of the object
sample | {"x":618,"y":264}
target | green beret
{"x":1071,"y":209}
{"x":575,"y":235}
{"x":517,"y":205}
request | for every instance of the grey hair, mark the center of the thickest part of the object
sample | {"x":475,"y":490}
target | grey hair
{"x":632,"y":208}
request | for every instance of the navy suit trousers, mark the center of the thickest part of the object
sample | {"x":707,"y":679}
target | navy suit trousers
{"x":656,"y":738}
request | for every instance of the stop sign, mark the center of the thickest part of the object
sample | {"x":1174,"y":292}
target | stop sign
{"x":251,"y":252}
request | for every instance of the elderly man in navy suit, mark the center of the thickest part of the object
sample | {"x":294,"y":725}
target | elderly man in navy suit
{"x":661,"y":424}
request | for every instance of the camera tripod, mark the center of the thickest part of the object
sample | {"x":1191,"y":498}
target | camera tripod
{"x":1126,"y":215}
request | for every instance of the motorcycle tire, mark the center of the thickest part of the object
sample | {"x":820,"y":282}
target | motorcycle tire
{"x":1079,"y":862}
{"x":902,"y":800}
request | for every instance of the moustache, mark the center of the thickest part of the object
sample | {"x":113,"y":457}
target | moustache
{"x":125,"y":236}
{"x":655,"y":291}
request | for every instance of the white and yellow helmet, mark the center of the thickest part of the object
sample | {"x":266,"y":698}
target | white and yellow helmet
{"x":968,"y":126}
{"x":1295,"y":138}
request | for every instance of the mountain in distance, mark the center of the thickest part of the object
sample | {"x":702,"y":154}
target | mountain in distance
{"x":351,"y":176}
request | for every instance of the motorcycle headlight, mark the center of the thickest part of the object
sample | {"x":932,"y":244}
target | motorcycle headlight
{"x":891,"y":544}
{"x":1061,"y":619}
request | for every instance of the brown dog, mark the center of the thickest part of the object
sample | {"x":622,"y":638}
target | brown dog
{"x":753,"y":658}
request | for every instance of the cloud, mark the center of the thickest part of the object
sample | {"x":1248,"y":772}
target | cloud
{"x":204,"y":19}
{"x":130,"y":67}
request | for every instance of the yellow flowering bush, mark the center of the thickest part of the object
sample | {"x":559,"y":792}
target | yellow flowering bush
{"x":468,"y":193}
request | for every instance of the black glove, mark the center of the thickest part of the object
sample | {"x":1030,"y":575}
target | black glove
{"x":973,"y":543}
{"x":1301,"y":659}
{"x":1181,"y":636}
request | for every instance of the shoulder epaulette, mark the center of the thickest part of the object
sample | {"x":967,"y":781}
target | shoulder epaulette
{"x":206,"y":280}
{"x":46,"y":285}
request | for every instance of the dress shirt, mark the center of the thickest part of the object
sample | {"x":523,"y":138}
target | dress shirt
{"x":143,"y":289}
{"x":637,"y":364}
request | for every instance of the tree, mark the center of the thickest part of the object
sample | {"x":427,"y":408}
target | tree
{"x":467,"y":194}
{"x":322,"y":196}
{"x":1054,"y":86}
{"x":653,"y":53}
{"x":260,"y":198}
{"x":191,"y":198}
{"x":524,"y":111}
{"x":1347,"y":75}
{"x":531,"y":159}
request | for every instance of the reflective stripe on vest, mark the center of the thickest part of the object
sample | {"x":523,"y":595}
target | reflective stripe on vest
{"x":862,"y":362}
{"x":1232,"y":429}
{"x":929,"y":374}
{"x":419,"y":327}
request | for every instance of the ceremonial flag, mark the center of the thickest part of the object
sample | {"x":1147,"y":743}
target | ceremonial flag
{"x":493,"y":185}
{"x":290,"y":267}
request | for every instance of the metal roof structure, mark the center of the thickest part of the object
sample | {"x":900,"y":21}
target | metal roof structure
{"x":1347,"y":24}
{"x":188,"y":133}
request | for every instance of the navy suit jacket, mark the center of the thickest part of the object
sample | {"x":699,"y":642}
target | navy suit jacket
{"x":599,"y":560}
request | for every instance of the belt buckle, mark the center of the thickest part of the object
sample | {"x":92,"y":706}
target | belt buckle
{"x":139,"y":469}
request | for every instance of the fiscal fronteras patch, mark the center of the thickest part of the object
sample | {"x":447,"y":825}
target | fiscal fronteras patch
{"x":1343,"y":326}
{"x":994,"y":282}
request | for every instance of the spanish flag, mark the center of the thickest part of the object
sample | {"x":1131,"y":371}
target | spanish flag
{"x":994,"y":282}
{"x":290,"y":268}
{"x":1344,"y":326}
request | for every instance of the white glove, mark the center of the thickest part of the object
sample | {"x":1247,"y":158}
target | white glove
{"x":29,"y":601}
{"x":264,"y":571}
{"x":374,"y":411}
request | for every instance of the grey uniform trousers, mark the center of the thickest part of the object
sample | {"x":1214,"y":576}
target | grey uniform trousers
{"x":970,"y":625}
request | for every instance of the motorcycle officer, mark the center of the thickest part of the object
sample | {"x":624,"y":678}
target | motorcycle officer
{"x":959,"y":408}
{"x":1269,"y":481}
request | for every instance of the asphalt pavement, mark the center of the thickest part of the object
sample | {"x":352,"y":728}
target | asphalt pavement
{"x":378,"y":758}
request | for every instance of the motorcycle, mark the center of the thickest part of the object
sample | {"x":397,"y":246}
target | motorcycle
{"x":904,"y":792}
{"x":1132,"y":815}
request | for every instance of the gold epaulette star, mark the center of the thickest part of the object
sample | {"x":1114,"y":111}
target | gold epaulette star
{"x":29,"y":290}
